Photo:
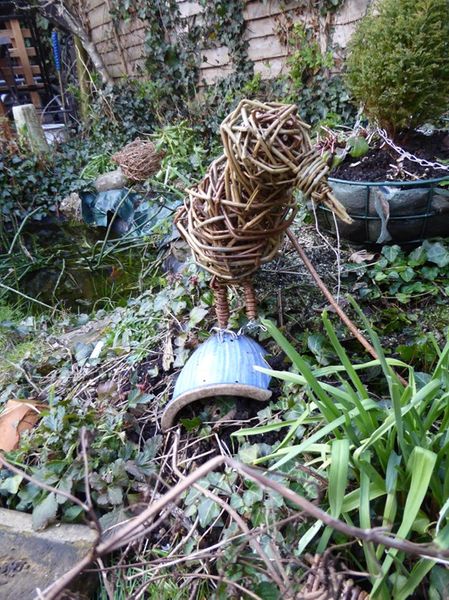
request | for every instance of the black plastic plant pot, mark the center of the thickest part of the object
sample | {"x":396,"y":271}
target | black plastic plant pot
{"x":389,"y":212}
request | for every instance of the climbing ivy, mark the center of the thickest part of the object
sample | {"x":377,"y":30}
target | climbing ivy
{"x":174,"y":46}
{"x":174,"y":49}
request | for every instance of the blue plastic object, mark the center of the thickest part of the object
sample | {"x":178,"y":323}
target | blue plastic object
{"x":56,"y":50}
{"x":222,"y":366}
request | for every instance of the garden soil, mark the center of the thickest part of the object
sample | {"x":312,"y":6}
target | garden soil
{"x":382,"y":164}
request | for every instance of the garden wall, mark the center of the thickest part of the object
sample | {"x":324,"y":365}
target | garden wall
{"x":267,"y":30}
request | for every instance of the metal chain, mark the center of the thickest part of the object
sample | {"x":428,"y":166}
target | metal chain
{"x":404,"y":154}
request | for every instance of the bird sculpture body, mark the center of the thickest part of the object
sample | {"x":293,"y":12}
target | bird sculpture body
{"x":234,"y":220}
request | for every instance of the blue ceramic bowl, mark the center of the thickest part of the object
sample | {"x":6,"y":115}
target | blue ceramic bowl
{"x":221,"y":366}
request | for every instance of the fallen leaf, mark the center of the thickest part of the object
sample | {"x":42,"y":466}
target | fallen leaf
{"x":362,"y":256}
{"x":16,"y":418}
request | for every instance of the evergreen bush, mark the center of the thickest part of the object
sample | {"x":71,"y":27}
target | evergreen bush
{"x":398,"y":63}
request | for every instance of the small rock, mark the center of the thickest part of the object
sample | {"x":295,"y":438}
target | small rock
{"x":30,"y":559}
{"x":114,"y":180}
{"x":70,"y":207}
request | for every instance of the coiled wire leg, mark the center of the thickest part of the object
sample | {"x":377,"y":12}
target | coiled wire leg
{"x":221,"y":303}
{"x":250,"y":299}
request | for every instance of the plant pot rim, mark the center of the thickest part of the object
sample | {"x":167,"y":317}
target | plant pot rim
{"x":415,"y":183}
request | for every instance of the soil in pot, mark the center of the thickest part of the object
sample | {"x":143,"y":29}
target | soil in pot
{"x":381,"y":164}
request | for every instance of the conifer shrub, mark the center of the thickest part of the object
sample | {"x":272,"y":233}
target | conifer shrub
{"x":398,"y":63}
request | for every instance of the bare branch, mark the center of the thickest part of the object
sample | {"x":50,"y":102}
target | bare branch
{"x":122,"y":535}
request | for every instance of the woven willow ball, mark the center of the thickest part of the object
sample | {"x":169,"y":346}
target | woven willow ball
{"x":231,"y":229}
{"x":265,"y":142}
{"x":139,"y":160}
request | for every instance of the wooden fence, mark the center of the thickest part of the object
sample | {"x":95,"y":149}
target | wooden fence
{"x":122,"y":47}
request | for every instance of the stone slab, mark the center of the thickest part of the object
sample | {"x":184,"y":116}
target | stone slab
{"x":35,"y":559}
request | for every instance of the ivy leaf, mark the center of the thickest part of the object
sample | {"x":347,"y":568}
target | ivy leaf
{"x":391,"y":252}
{"x":430,"y":273}
{"x":249,"y":453}
{"x":438,"y":254}
{"x":317,"y":344}
{"x":112,"y":518}
{"x":236,"y":501}
{"x":45,"y":512}
{"x":115,"y":495}
{"x":197,"y":314}
{"x":11,"y":484}
{"x":408,"y":274}
{"x":252,"y":495}
{"x":65,"y":485}
{"x":55,"y":419}
{"x":439,"y":579}
{"x":82,"y":352}
{"x":72,"y":513}
{"x":208,"y":510}
{"x":267,"y":590}
{"x":417,"y":257}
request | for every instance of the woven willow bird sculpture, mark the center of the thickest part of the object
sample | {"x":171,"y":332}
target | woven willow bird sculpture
{"x":234,"y":221}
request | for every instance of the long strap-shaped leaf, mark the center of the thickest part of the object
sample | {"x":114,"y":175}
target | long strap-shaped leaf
{"x":422,"y":463}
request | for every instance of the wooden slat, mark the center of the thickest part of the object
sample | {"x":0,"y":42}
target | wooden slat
{"x":14,"y":53}
{"x":21,"y":49}
{"x":132,"y":39}
{"x":261,"y":27}
{"x":209,"y":76}
{"x":22,"y":87}
{"x":346,"y":21}
{"x":116,"y":71}
{"x":214,"y":57}
{"x":131,"y":54}
{"x":22,"y":70}
{"x":258,"y":10}
{"x":128,"y":41}
{"x":269,"y":69}
{"x":93,"y":4}
{"x":102,"y":33}
{"x":351,"y":11}
{"x":266,"y":47}
{"x":189,"y":9}
{"x":99,"y":16}
{"x":26,"y":33}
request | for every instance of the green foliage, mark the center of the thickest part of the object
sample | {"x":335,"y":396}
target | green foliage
{"x":398,"y":63}
{"x":97,"y":165}
{"x":381,"y":457}
{"x":127,"y":583}
{"x":173,"y":58}
{"x":185,"y":157}
{"x":306,"y":58}
{"x":123,"y":113}
{"x":91,"y":274}
{"x":406,"y":275}
{"x":29,"y":183}
{"x":117,"y":465}
{"x":320,"y":96}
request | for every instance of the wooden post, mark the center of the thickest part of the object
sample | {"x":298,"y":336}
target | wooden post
{"x":29,"y":129}
{"x":83,"y":79}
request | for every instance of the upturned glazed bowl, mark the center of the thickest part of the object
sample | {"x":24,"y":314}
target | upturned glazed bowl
{"x":221,"y":366}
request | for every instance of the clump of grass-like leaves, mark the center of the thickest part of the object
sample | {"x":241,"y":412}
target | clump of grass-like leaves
{"x":384,"y":457}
